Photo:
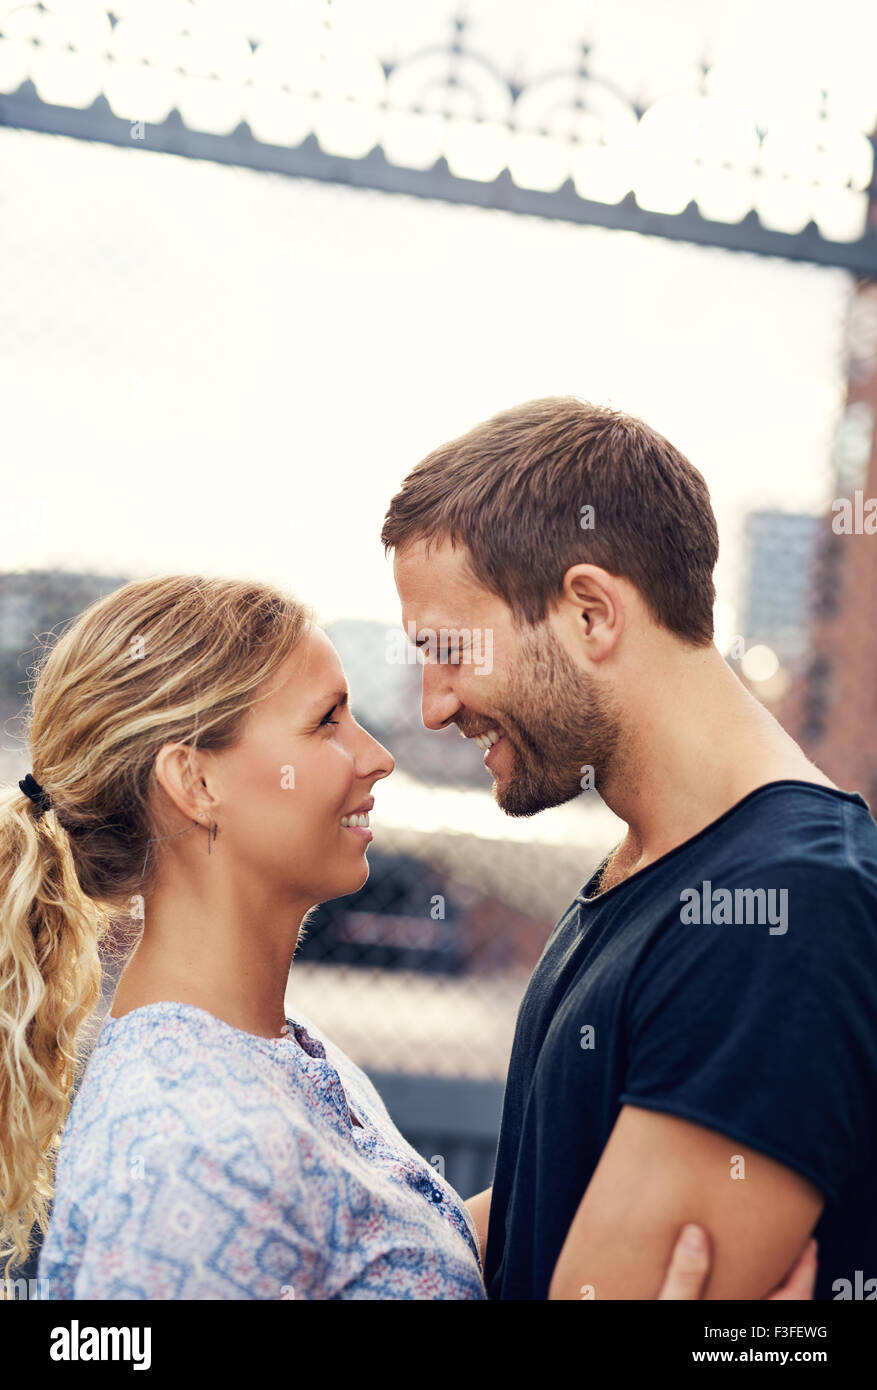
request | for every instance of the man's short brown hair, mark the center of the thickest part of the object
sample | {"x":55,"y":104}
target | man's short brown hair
{"x":513,"y":490}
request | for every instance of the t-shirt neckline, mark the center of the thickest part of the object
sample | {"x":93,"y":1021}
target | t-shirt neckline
{"x":855,"y":797}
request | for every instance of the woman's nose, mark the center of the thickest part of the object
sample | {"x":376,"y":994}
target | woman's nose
{"x":378,"y":759}
{"x":388,"y":762}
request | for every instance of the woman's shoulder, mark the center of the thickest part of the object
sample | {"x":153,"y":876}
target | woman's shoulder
{"x":171,"y":1067}
{"x":171,"y":1043}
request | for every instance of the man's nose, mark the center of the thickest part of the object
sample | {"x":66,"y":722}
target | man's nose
{"x":439,"y":704}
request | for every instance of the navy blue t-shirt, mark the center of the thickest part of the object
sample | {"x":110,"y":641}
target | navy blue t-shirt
{"x":751,"y":1012}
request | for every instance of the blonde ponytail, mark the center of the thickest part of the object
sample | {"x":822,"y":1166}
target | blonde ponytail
{"x":49,"y":986}
{"x":167,"y":659}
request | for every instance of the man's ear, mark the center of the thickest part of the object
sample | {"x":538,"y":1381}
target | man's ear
{"x":593,"y":606}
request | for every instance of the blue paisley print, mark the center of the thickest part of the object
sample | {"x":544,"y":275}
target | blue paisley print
{"x":202,"y":1162}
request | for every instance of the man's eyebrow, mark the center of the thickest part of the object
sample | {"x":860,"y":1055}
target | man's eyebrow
{"x":330,"y":700}
{"x":431,"y":632}
{"x":421,"y":627}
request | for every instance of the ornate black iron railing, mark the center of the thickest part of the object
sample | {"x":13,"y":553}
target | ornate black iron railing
{"x":443,"y":121}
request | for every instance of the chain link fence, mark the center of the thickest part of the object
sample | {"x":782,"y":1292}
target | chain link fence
{"x":142,"y":294}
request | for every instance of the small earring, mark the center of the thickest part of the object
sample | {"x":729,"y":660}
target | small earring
{"x":212,"y":836}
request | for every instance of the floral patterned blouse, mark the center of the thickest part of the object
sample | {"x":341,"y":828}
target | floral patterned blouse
{"x":202,"y":1162}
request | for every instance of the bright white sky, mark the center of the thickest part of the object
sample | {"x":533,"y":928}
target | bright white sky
{"x":205,"y":368}
{"x":209,"y":369}
{"x":212,"y":369}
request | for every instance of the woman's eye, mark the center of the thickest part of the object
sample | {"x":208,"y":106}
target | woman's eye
{"x":327,"y":720}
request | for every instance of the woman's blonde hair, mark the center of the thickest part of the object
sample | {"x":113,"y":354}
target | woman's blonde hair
{"x":176,"y":658}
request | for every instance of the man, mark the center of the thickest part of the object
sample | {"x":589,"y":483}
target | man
{"x":698,"y":1041}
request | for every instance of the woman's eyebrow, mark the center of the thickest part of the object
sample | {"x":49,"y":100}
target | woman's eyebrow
{"x":330,"y":700}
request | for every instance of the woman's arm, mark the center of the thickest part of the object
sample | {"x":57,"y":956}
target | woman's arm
{"x":479,"y":1210}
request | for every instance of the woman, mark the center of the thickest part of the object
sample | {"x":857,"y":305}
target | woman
{"x":193,"y":743}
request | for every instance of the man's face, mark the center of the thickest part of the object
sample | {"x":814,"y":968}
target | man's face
{"x":554,"y":718}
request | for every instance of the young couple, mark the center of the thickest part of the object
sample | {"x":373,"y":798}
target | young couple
{"x":193,"y":741}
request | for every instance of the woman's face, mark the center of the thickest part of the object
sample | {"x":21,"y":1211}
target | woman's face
{"x":303,"y":762}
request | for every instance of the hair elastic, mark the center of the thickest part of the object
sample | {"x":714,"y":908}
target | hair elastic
{"x":31,"y":787}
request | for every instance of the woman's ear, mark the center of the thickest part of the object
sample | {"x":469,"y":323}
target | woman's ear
{"x":178,"y":773}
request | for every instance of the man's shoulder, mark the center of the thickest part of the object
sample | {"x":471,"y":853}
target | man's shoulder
{"x":794,"y":858}
{"x":800,"y":828}
{"x":788,"y":802}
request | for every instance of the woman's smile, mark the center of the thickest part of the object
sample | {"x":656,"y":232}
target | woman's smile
{"x":357,"y":819}
{"x":355,"y":826}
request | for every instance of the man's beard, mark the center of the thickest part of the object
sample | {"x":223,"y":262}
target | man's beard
{"x":560,"y":725}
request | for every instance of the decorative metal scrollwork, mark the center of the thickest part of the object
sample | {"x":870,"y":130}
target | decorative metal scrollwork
{"x":489,"y":105}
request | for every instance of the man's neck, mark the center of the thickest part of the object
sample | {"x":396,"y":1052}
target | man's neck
{"x":700,"y":744}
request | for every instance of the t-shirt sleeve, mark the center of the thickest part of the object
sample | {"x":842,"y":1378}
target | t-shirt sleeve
{"x":766,"y":1034}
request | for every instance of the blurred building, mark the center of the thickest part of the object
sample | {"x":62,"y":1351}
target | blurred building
{"x":779,"y":553}
{"x":34,"y":604}
{"x":831,"y":708}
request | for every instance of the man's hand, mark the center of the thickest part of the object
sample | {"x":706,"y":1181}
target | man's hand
{"x":656,"y":1173}
{"x":690,"y":1265}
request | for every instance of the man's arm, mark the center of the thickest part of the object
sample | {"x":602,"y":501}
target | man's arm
{"x":479,"y":1210}
{"x":658,"y":1172}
